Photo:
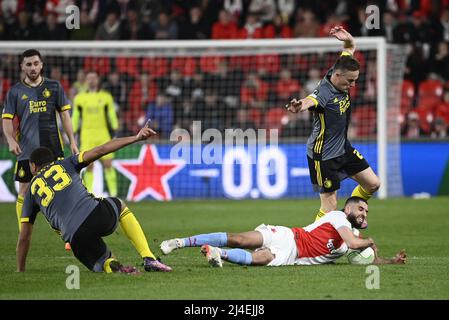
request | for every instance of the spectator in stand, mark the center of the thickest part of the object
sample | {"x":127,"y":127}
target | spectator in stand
{"x":243,"y":121}
{"x":194,"y":27}
{"x":79,"y":85}
{"x":416,"y":67}
{"x":174,"y":88}
{"x":278,"y":29}
{"x":442,"y":109}
{"x":286,"y":9}
{"x":314,"y":76}
{"x":388,"y":26}
{"x":297,"y":125}
{"x":420,"y":28}
{"x":412,"y":128}
{"x":86,"y":30}
{"x":440,"y":129}
{"x":110,"y":28}
{"x":253,"y":91}
{"x":224,"y":28}
{"x":22,"y":29}
{"x":3,"y":30}
{"x":287,"y":87}
{"x":161,"y":114}
{"x":252,"y":28}
{"x":265,"y":9}
{"x":51,"y":30}
{"x":57,"y":9}
{"x":306,"y":25}
{"x":130,"y":26}
{"x":234,"y":8}
{"x":93,"y":9}
{"x":164,"y":28}
{"x":57,"y":75}
{"x":442,"y":26}
{"x":117,"y":88}
{"x":439,"y":63}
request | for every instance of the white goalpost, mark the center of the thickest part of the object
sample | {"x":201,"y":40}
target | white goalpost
{"x":256,"y":76}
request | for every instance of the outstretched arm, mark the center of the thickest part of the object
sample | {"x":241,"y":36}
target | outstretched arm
{"x":116,"y":144}
{"x":300,"y":105}
{"x":23,"y":245}
{"x":343,"y":35}
{"x":400,"y":258}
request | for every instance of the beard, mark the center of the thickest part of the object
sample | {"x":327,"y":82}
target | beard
{"x":353,"y":220}
{"x":33,"y":76}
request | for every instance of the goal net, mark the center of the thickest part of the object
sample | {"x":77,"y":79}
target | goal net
{"x":199,"y":93}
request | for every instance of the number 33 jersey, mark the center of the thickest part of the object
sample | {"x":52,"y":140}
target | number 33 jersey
{"x":57,"y":191}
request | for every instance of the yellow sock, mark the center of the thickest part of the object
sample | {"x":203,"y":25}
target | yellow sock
{"x":19,"y":205}
{"x":134,"y":232}
{"x":107,"y":265}
{"x":88,"y":180}
{"x":111,"y":181}
{"x":361,"y":193}
{"x":320,"y":214}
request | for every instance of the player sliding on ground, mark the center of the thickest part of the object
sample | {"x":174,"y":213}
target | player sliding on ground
{"x":57,"y":191}
{"x":323,"y":241}
{"x":331,"y":158}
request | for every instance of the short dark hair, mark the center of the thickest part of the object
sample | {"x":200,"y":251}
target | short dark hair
{"x":347,"y":63}
{"x":354,"y":199}
{"x":30,"y":53}
{"x":42,"y":156}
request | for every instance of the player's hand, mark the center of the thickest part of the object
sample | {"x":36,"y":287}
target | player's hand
{"x":401,"y":257}
{"x":341,"y":34}
{"x":145,"y":133}
{"x":294,"y":105}
{"x":74,"y":148}
{"x":14,"y":148}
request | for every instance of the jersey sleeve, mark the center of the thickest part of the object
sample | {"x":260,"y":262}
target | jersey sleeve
{"x":338,"y":220}
{"x":63,"y":103}
{"x":9,"y":108}
{"x":76,"y":161}
{"x":321,"y":95}
{"x":30,"y":208}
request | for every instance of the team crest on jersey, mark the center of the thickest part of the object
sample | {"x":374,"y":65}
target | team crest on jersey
{"x":24,"y":97}
{"x":327,"y":183}
{"x":21,"y":173}
{"x":46,"y":93}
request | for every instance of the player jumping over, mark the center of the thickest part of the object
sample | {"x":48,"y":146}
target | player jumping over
{"x":331,"y":157}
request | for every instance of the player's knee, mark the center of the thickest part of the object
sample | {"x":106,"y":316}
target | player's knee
{"x":374,"y":186}
{"x":262,"y":257}
{"x":235,"y":240}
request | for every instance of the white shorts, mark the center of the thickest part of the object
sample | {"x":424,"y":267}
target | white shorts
{"x":281,"y":242}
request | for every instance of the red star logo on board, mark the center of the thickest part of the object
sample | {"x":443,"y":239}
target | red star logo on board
{"x":149,"y":174}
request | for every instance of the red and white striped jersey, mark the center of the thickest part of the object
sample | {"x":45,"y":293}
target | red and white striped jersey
{"x":320,"y":241}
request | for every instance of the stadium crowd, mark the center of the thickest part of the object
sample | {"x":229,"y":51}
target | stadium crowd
{"x":175,"y":91}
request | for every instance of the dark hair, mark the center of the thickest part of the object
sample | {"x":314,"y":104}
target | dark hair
{"x":354,"y":199}
{"x":347,"y":63}
{"x":42,"y":156}
{"x":30,"y":53}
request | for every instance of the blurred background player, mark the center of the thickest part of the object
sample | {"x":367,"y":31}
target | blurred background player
{"x":330,"y":155}
{"x":57,"y":191}
{"x":95,"y":119}
{"x":323,"y":241}
{"x":35,"y":101}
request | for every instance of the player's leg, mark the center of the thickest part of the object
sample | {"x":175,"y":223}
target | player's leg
{"x":215,"y":255}
{"x":369,"y":183}
{"x":328,"y":203}
{"x":110,"y":175}
{"x":248,"y":240}
{"x":135,"y":234}
{"x":358,"y":169}
{"x":325,"y":180}
{"x":23,"y":175}
{"x":88,"y":177}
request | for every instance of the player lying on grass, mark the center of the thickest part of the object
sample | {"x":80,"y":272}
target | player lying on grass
{"x":57,"y":191}
{"x":323,"y":241}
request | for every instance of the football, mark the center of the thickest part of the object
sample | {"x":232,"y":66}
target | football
{"x":365,"y":256}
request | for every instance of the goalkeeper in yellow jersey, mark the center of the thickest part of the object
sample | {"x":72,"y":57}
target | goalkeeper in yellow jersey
{"x":95,"y":120}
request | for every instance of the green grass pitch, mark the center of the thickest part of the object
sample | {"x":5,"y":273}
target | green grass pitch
{"x":419,"y":226}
